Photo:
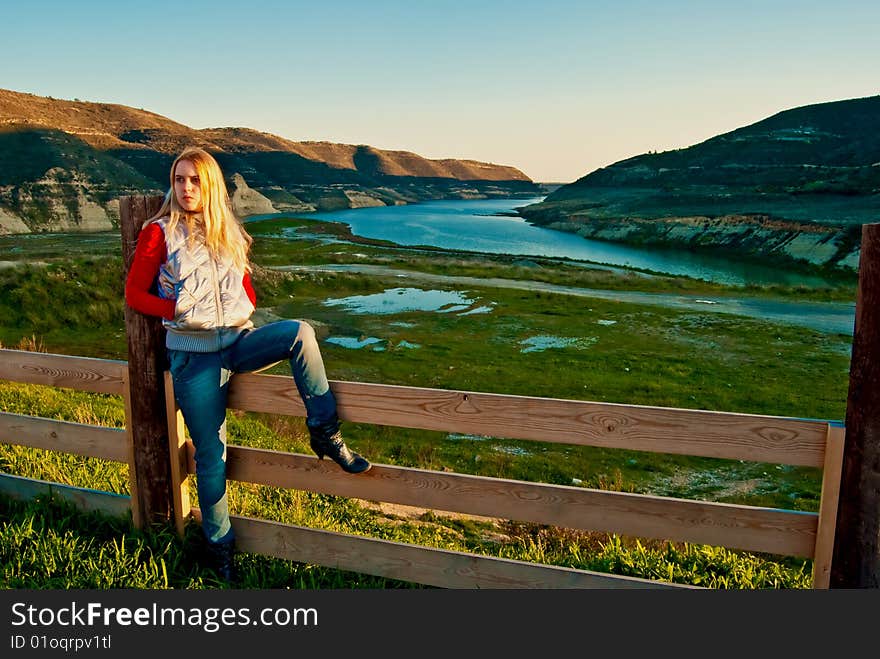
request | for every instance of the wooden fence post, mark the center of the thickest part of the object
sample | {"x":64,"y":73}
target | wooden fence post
{"x":856,"y":558}
{"x":151,"y":464}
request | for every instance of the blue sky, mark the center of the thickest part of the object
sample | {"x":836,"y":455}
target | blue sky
{"x":555,"y":88}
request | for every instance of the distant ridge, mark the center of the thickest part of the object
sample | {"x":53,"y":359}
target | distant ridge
{"x":824,"y":147}
{"x":63,"y":165}
{"x":796,"y":185}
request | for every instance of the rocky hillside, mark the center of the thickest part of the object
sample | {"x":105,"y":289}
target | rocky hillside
{"x":797,"y":185}
{"x":64,"y":165}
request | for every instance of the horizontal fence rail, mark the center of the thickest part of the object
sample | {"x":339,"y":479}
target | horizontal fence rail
{"x":742,"y":527}
{"x":417,"y":564}
{"x":783,"y":440}
{"x":64,"y":436}
{"x":710,"y":434}
{"x":103,"y":376}
{"x":86,"y":499}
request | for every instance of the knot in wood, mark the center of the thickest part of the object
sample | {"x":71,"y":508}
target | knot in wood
{"x":465,"y":404}
{"x":609,"y":424}
{"x":778,"y":435}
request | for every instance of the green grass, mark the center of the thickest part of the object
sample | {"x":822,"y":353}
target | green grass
{"x":46,"y":543}
{"x":649,"y":356}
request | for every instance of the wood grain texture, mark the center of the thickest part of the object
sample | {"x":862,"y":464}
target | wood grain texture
{"x":416,"y":564}
{"x":104,"y":376}
{"x":856,"y":562}
{"x":658,"y":429}
{"x":822,"y":555}
{"x":136,"y":515}
{"x":64,"y":436}
{"x":791,"y":533}
{"x":146,"y":365}
{"x":85,"y":499}
{"x":177,"y":446}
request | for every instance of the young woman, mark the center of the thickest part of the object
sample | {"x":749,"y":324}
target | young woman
{"x":195,"y":252}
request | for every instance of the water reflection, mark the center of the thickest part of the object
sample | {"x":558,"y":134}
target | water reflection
{"x":474,"y":225}
{"x":351,"y":342}
{"x":397,"y":300}
{"x":355,"y":343}
{"x":543,"y":342}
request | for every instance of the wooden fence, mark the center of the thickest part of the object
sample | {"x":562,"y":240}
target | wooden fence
{"x":711,"y":434}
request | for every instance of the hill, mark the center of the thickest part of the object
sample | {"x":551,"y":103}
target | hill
{"x":797,"y":185}
{"x":64,"y":164}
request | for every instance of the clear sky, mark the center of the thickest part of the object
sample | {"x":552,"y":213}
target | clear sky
{"x":556,"y":88}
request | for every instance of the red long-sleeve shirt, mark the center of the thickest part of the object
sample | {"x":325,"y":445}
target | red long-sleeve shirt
{"x":149,"y":255}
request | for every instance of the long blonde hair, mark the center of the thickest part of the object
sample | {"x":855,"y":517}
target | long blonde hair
{"x":216,"y":223}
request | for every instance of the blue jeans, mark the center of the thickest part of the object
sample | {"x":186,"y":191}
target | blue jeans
{"x":201,"y":386}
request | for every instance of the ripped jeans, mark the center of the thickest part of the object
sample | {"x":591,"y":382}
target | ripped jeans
{"x":201,"y":386}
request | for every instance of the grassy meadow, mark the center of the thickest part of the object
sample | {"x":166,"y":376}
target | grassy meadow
{"x":497,"y":339}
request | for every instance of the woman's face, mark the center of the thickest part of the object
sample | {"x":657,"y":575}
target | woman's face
{"x":187,"y":186}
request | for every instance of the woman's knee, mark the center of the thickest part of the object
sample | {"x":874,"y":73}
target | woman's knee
{"x":305,"y":333}
{"x":306,"y":343}
{"x":295,"y":334}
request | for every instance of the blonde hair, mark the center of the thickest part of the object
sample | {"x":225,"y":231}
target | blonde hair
{"x":216,"y":223}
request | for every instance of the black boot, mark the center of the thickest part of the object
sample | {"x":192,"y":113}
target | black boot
{"x":221,"y":556}
{"x":331,"y":444}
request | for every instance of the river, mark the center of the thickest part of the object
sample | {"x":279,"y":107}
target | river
{"x":481,"y":226}
{"x":477,"y":226}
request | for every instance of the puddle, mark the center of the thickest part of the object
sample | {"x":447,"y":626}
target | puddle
{"x":545,"y":342}
{"x":352,"y":342}
{"x":606,"y":322}
{"x":397,"y":300}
